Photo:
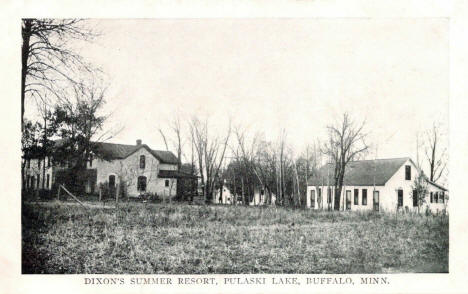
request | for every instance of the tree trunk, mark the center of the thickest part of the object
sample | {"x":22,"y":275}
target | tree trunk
{"x":243,"y":195}
{"x":45,"y":143}
{"x":234,"y":192}
{"x":26,"y":35}
{"x":23,"y":182}
{"x":338,"y":189}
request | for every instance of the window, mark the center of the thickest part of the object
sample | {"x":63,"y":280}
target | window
{"x":408,"y":172}
{"x":48,"y":181}
{"x":432,"y":197}
{"x":166,"y":183}
{"x":376,"y":200}
{"x":141,"y":186}
{"x":111,"y":181}
{"x":142,"y":161}
{"x":38,"y":181}
{"x":415,"y":198}
{"x":312,"y":198}
{"x":348,"y":199}
{"x":442,"y":196}
{"x":436,"y":197}
{"x":356,"y":196}
{"x":400,"y":198}
{"x":329,"y":197}
{"x":364,"y":196}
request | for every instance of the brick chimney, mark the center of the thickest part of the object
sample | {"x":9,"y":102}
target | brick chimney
{"x":138,"y":142}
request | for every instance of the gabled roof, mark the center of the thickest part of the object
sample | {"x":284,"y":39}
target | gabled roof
{"x":111,"y":151}
{"x":437,"y":185}
{"x":362,"y":172}
{"x":121,"y":151}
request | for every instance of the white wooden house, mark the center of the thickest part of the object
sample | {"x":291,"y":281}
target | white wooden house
{"x":380,"y":185}
{"x":260,"y":197}
{"x":223,"y":195}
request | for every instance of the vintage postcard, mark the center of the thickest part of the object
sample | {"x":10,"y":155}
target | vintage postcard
{"x":195,"y":152}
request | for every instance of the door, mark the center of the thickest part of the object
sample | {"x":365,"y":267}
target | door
{"x":376,"y":200}
{"x":348,"y":200}
{"x":112,"y":188}
{"x":400,"y":198}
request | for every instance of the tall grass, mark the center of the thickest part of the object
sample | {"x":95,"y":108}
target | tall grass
{"x":198,"y":239}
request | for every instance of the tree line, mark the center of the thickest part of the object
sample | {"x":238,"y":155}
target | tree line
{"x":69,"y":94}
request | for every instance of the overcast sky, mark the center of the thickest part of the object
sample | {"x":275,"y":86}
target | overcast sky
{"x":300,"y":74}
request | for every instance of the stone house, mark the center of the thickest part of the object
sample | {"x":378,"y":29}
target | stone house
{"x":380,"y":185}
{"x":139,"y":168}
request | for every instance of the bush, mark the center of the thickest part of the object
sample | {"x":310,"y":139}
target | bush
{"x":149,"y":196}
{"x":45,"y":194}
{"x":106,"y":192}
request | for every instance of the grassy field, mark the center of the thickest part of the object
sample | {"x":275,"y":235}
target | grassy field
{"x":197,"y":239}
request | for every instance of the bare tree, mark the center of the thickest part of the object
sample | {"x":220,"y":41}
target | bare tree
{"x":210,"y":150}
{"x":176,"y":128}
{"x":307,"y":166}
{"x":298,"y":197}
{"x":436,"y":156}
{"x":47,"y":132}
{"x":79,"y":122}
{"x":46,"y":57}
{"x":164,"y":139}
{"x":248,"y":154}
{"x":175,"y":138}
{"x":346,"y":143}
{"x":266,"y":164}
{"x":281,"y":152}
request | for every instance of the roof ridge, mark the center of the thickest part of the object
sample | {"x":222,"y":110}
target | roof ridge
{"x":130,"y":145}
{"x":392,"y":158}
{"x":115,"y":144}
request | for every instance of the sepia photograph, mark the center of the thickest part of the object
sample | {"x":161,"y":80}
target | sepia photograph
{"x":204,"y":146}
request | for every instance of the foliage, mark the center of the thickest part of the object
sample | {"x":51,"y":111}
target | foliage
{"x":420,"y":189}
{"x":31,"y":137}
{"x":144,"y":238}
